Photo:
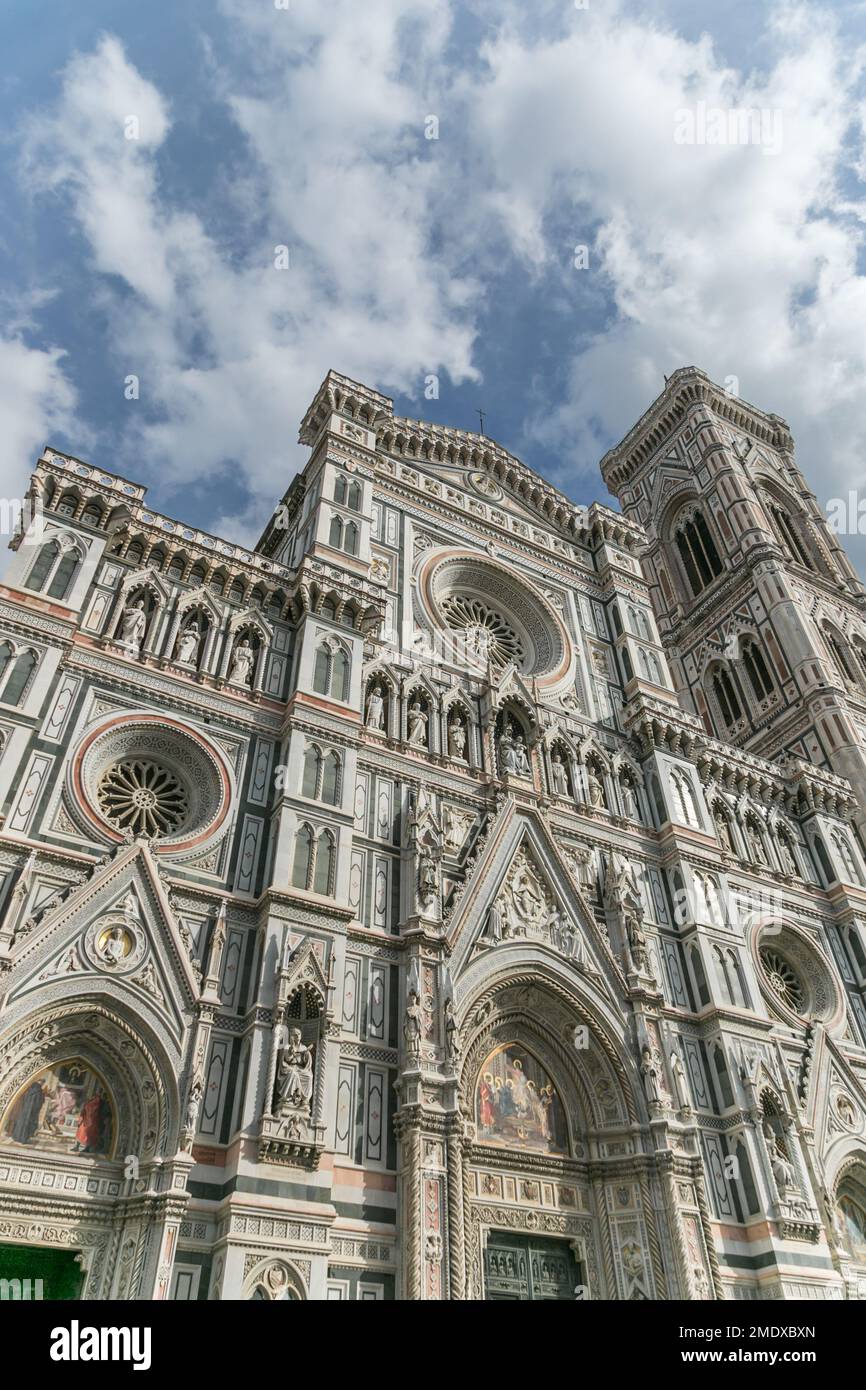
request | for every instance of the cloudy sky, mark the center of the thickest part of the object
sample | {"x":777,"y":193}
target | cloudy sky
{"x":154,"y":156}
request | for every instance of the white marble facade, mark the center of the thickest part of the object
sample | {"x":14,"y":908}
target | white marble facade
{"x":459,"y":896}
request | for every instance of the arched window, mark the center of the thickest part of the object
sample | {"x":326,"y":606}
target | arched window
{"x":347,"y":494}
{"x":61,"y":580}
{"x":322,"y":673}
{"x":19,"y":682}
{"x":340,"y":673}
{"x":42,"y":566}
{"x":68,"y":505}
{"x":840,"y":654}
{"x":323,"y":874}
{"x":331,"y":779}
{"x":685,"y":797}
{"x":789,"y":535}
{"x":303,"y":857}
{"x":756,"y":669}
{"x":350,"y":539}
{"x":727,"y":696}
{"x":328,"y":609}
{"x":310,"y":783}
{"x":335,"y":533}
{"x":698,"y":552}
{"x":846,"y":854}
{"x":92,"y":514}
{"x":332,"y":673}
{"x":5,"y":657}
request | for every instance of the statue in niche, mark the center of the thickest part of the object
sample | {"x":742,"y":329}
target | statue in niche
{"x":595,"y":787}
{"x":428,"y":875}
{"x":412,"y":1026}
{"x":723,"y":830}
{"x":417,"y":725}
{"x":649,"y":1073}
{"x":636,"y":941}
{"x":789,"y":863}
{"x":583,"y":864}
{"x":451,"y":1045}
{"x":512,"y":753}
{"x":133,"y":624}
{"x":756,"y":844}
{"x":190,"y":1122}
{"x":783,"y":1170}
{"x":294,"y":1085}
{"x":375,"y":709}
{"x":558,"y":775}
{"x":681,"y":1087}
{"x":629,"y":798}
{"x":457,"y":739}
{"x":187,"y":644}
{"x":242,"y":664}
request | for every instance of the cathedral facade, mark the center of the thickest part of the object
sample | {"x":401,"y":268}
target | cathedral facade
{"x":460,"y":895}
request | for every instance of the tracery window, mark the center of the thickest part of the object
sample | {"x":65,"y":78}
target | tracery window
{"x":17,"y":674}
{"x":790,"y":536}
{"x":321,"y":777}
{"x":53,"y":570}
{"x":698,"y":552}
{"x":315,"y":860}
{"x":348,"y":494}
{"x":332,"y":672}
{"x":839,"y":652}
{"x":726,"y":694}
{"x":756,"y":669}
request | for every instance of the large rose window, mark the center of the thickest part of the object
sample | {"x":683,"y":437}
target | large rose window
{"x":143,"y":796}
{"x":493,"y":615}
{"x":139,"y":774}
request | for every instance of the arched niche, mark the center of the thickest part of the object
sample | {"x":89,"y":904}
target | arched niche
{"x":126,"y":1064}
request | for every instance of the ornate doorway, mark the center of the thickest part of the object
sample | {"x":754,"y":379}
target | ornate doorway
{"x":529,"y":1269}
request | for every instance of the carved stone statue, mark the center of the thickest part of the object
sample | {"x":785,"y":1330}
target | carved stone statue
{"x":375,"y":709}
{"x":412,"y":1026}
{"x":428,"y":875}
{"x":190,"y":1119}
{"x":783,"y":1170}
{"x":681,"y":1086}
{"x":723,"y":830}
{"x":451,"y":1046}
{"x":242,"y":664}
{"x":187,"y":644}
{"x":789,"y":863}
{"x":417,"y":725}
{"x":649,"y":1072}
{"x":629,"y":798}
{"x":558,"y":775}
{"x":457,"y":739}
{"x":294,"y":1085}
{"x":594,"y":787}
{"x":134,"y":622}
{"x":521,"y":760}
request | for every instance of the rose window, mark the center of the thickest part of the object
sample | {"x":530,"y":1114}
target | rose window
{"x":783,"y":980}
{"x":143,"y":796}
{"x":486,"y":633}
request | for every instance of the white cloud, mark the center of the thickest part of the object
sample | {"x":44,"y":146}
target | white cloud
{"x":231,"y":350}
{"x":741,"y":261}
{"x":36,"y":400}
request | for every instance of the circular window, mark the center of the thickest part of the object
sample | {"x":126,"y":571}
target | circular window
{"x":144,"y":797}
{"x":796,"y":977}
{"x":142,"y":775}
{"x":497,"y":616}
{"x":486,"y":633}
{"x":783,"y":979}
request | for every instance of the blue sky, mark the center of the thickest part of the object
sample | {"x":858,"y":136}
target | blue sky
{"x":256,"y":127}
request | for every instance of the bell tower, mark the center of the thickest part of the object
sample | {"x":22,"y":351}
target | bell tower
{"x":761,"y":613}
